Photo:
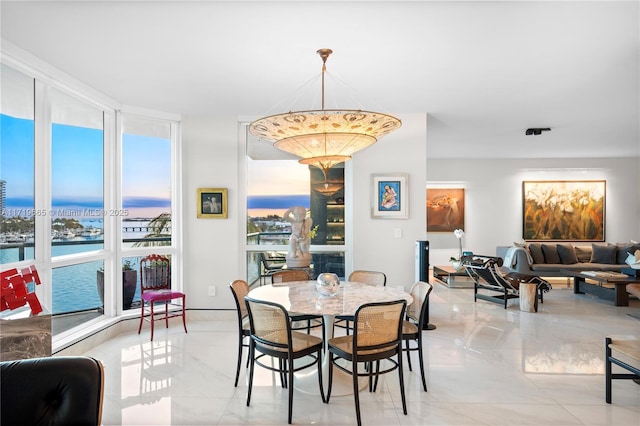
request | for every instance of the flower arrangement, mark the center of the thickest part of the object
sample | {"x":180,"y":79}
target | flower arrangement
{"x":459,"y":233}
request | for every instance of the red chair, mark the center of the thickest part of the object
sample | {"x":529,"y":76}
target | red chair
{"x":155,"y":288}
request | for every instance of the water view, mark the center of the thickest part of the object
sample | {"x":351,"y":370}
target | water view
{"x":74,"y":287}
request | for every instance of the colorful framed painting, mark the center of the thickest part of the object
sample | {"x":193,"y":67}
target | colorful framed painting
{"x":445,"y":209}
{"x":563,"y":210}
{"x":212,"y":203}
{"x":390,"y":196}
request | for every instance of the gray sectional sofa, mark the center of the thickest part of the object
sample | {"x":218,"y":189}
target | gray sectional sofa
{"x":554,"y":259}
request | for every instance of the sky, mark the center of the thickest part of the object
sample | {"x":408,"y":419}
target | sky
{"x":77,"y":172}
{"x":77,"y":168}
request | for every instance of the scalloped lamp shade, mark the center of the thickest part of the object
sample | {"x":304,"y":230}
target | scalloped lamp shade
{"x":324,"y":138}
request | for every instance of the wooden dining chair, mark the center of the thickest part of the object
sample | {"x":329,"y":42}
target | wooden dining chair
{"x":271,"y":335}
{"x":240,"y":289}
{"x":360,"y":276}
{"x":155,"y":288}
{"x":416,"y":316}
{"x":291,"y":275}
{"x":377,"y":336}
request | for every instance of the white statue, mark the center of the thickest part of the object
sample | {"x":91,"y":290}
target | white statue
{"x":298,"y":256}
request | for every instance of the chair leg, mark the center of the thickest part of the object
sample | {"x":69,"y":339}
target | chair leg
{"x":330,"y":377}
{"x":290,"y":381}
{"x":401,"y":376}
{"x":375,"y":386}
{"x":240,"y":341}
{"x":319,"y":357}
{"x":251,"y":368}
{"x":607,"y":370}
{"x":282,"y":365}
{"x":141,"y":315}
{"x":166,"y":314}
{"x":408,"y":350}
{"x":424,"y":380}
{"x":152,"y":320}
{"x":356,"y":395}
{"x":184,"y":314}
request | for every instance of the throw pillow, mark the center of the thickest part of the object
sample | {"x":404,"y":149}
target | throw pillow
{"x":603,"y":253}
{"x":550,"y":253}
{"x":624,"y":250}
{"x":583,"y":253}
{"x":567,"y":254}
{"x":536,"y":252}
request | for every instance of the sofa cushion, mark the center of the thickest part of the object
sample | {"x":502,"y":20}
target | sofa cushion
{"x":550,"y":253}
{"x":536,"y":252}
{"x":583,"y":253}
{"x":603,"y":253}
{"x":624,"y":250}
{"x":567,"y":254}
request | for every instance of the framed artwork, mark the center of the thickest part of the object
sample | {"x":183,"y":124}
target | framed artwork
{"x":563,"y":210}
{"x":445,"y":209}
{"x":390,"y":196}
{"x":212,"y":203}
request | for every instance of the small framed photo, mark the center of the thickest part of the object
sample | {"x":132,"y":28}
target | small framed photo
{"x":212,"y":203}
{"x":390,"y":196}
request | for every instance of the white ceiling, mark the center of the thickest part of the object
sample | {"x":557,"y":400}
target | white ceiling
{"x":482,"y":71}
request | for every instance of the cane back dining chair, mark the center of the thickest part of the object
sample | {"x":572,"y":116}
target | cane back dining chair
{"x":272,"y":336}
{"x":377,"y":336}
{"x":240,"y":289}
{"x":291,"y":275}
{"x":412,"y":325}
{"x":360,"y":276}
{"x":155,"y":289}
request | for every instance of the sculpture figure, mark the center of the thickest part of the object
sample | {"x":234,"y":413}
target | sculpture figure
{"x":298,"y":256}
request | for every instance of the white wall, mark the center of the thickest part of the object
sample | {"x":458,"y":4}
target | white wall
{"x":213,"y":249}
{"x":212,"y":252}
{"x":374,"y":244}
{"x":493,"y":198}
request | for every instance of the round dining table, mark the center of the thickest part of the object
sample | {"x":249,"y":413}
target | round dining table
{"x":303,"y":298}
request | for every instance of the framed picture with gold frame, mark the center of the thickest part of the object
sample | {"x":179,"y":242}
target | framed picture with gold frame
{"x":563,"y":210}
{"x":212,"y":203}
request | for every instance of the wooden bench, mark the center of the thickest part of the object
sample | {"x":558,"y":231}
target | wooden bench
{"x":624,"y":352}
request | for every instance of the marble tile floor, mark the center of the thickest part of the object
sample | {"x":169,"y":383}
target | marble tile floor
{"x":485,"y":366}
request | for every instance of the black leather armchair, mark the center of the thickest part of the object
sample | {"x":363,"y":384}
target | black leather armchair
{"x":51,"y":391}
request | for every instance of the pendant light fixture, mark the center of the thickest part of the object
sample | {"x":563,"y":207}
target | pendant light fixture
{"x":325,"y":137}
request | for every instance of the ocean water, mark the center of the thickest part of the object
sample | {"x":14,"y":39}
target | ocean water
{"x":74,"y":287}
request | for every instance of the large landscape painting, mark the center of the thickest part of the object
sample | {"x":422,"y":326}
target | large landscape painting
{"x":563,"y":210}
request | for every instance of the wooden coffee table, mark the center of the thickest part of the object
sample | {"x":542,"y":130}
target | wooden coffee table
{"x":612,"y":288}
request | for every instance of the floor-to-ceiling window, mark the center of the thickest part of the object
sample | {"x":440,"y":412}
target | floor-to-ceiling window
{"x":17,"y":166}
{"x":77,"y":202}
{"x":147,"y":220}
{"x":277,"y":182}
{"x":86,"y":191}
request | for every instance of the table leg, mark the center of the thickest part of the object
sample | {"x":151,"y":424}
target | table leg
{"x":576,"y":285}
{"x":622,"y":298}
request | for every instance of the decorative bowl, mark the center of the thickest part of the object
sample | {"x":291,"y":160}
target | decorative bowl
{"x":327,"y":284}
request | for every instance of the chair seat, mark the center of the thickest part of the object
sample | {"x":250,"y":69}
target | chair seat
{"x":160,"y":295}
{"x":345,"y":345}
{"x":409,"y":329}
{"x":300,"y":341}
